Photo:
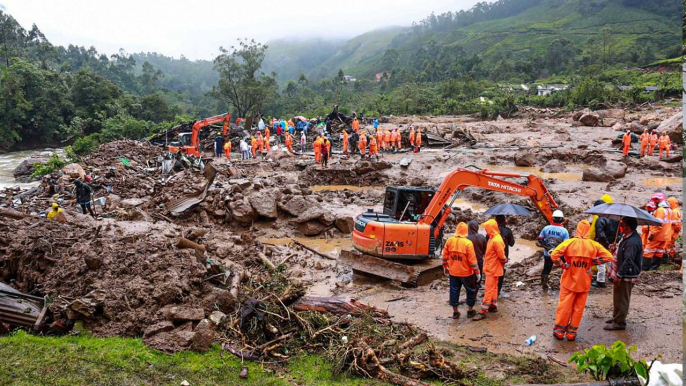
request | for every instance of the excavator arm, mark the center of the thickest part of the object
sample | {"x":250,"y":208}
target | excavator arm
{"x":459,"y":179}
{"x":195,"y":144}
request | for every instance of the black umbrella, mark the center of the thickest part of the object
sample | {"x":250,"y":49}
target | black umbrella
{"x":619,"y":211}
{"x":508,"y":209}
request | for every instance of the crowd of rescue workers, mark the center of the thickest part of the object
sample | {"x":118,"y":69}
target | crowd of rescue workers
{"x":471,"y":259}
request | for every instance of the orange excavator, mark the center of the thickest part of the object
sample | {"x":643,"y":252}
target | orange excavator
{"x":189,"y":143}
{"x":401,"y":243}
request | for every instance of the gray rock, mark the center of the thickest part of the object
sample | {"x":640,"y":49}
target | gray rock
{"x":554,"y":166}
{"x":156,"y":328}
{"x":525,"y":159}
{"x":183,"y":313}
{"x":264,"y":203}
{"x":242,"y":211}
{"x":590,"y":119}
{"x":203,"y":337}
{"x":311,"y":228}
{"x":345,"y":224}
{"x":673,"y":127}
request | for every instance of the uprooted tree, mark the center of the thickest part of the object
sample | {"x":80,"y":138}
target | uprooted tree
{"x":240,"y":85}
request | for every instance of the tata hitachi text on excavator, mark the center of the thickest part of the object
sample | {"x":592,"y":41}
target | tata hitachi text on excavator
{"x":189,"y":143}
{"x":401,"y":243}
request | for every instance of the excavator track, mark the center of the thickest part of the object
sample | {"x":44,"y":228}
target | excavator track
{"x":410,"y":274}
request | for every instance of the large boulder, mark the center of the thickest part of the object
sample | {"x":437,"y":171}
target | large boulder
{"x":278,"y":153}
{"x":590,"y":119}
{"x":26,"y":167}
{"x":674,"y":128}
{"x":612,"y":170}
{"x":646,"y":119}
{"x":611,"y":113}
{"x":525,"y":159}
{"x":170,"y":341}
{"x":298,"y":206}
{"x":345,"y":224}
{"x":637,"y":128}
{"x":264,"y":203}
{"x":242,"y":211}
{"x":311,"y":228}
{"x":74,"y":171}
{"x":364,"y":167}
{"x":554,"y":166}
{"x":203,"y":337}
{"x":183,"y":313}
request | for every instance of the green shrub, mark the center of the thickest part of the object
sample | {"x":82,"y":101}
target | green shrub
{"x":53,"y":164}
{"x":85,"y":145}
{"x":613,"y":362}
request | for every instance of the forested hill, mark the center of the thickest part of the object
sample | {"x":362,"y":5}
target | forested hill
{"x":509,"y":34}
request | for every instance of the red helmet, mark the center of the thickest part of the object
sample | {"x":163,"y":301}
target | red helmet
{"x":650,"y":206}
{"x":657,"y":197}
{"x":90,"y":179}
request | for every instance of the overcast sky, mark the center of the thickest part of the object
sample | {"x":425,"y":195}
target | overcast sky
{"x":196,"y":29}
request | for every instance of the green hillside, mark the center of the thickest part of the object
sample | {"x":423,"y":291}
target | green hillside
{"x":636,"y":33}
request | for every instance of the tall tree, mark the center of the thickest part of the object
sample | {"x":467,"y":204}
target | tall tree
{"x":239,"y":84}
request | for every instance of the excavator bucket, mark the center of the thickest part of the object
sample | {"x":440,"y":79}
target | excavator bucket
{"x":410,"y":274}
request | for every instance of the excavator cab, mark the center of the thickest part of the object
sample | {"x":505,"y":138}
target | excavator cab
{"x":185,"y":139}
{"x":406,"y":203}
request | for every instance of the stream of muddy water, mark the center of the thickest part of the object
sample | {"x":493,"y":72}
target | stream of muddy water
{"x":9,"y":161}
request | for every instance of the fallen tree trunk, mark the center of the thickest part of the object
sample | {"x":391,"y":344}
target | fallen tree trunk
{"x":11,"y":213}
{"x":335,"y":305}
{"x":266,"y":261}
{"x":369,"y":363}
{"x":185,"y":243}
{"x":415,"y":341}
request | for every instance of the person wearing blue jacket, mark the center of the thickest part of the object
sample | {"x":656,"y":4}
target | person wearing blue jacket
{"x":549,"y":238}
{"x":376,"y":123}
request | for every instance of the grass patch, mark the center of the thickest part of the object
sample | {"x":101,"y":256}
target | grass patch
{"x":83,"y":360}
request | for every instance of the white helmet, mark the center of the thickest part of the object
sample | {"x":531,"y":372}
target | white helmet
{"x":558,"y":214}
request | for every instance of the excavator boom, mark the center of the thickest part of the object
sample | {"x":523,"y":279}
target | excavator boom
{"x":194,"y":147}
{"x":386,"y":240}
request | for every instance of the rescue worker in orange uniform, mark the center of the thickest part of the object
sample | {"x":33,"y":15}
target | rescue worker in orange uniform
{"x":418,"y":139}
{"x":494,"y":262}
{"x":362,"y":143}
{"x":345,"y":142}
{"x":253,"y":143}
{"x":356,"y":125}
{"x":411,"y":137}
{"x":645,"y":230}
{"x":460,"y":264}
{"x":227,"y":150}
{"x":645,"y":139}
{"x":626,"y":141}
{"x":266,"y":139}
{"x":575,"y":256}
{"x":373,"y":150}
{"x":328,"y":147}
{"x":676,"y":224}
{"x":652,"y":143}
{"x":317,"y":147}
{"x":665,"y":143}
{"x":399,"y":139}
{"x":394,"y":139}
{"x":289,"y":141}
{"x":386,"y":139}
{"x":658,"y":235}
{"x":260,"y":142}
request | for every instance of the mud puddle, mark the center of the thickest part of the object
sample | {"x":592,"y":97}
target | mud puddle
{"x":522,"y":249}
{"x":464,"y":204}
{"x":337,"y":188}
{"x":663,"y":181}
{"x":329,"y":247}
{"x":537,"y":172}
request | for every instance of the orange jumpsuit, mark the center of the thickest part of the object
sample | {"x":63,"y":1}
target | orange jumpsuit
{"x":459,"y":257}
{"x":658,"y":235}
{"x":676,"y":224}
{"x":373,"y":151}
{"x":494,"y":262}
{"x":664,"y":144}
{"x":386,"y":139}
{"x":260,"y":142}
{"x":328,"y":148}
{"x":345,"y":142}
{"x":580,"y":253}
{"x":418,"y":139}
{"x":394,"y":138}
{"x":652,"y":143}
{"x":362,"y":143}
{"x":317,"y":146}
{"x":289,"y":142}
{"x":227,"y":149}
{"x":626,"y":141}
{"x":266,"y":138}
{"x":645,"y":139}
{"x":379,"y":138}
{"x":253,"y":143}
{"x":399,"y":139}
{"x":412,"y":136}
{"x":356,"y":125}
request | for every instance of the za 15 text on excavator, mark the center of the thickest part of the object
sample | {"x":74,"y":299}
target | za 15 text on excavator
{"x":189,"y":143}
{"x":401,"y":243}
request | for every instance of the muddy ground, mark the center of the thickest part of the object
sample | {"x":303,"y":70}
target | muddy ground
{"x":123,"y":274}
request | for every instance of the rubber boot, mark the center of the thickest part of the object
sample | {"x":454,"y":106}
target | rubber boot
{"x":544,"y":283}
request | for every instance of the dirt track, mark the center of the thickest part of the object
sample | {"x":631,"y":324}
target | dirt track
{"x":266,"y":204}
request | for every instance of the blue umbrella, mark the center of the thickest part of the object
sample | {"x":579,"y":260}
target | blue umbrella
{"x":617,"y":211}
{"x":508,"y":209}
